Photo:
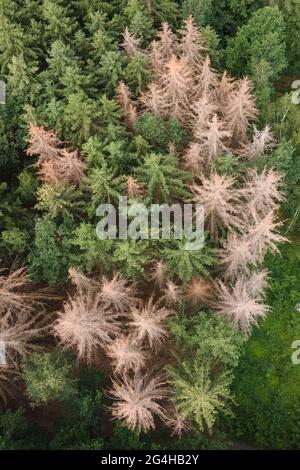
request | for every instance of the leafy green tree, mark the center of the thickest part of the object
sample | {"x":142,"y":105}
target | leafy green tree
{"x":118,"y":157}
{"x":152,"y":128}
{"x":161,"y":10}
{"x":21,"y":79}
{"x":160,"y":133}
{"x":140,"y":21}
{"x":58,"y":24}
{"x":200,"y":10}
{"x":212,"y":42}
{"x":79,"y":426}
{"x":110,"y":71}
{"x":228,"y":164}
{"x":109,"y":112}
{"x":101,"y":41}
{"x":48,"y":376}
{"x":261,"y":74}
{"x":73,"y":80}
{"x":93,"y":152}
{"x":15,"y":241}
{"x":291,"y":12}
{"x":12,"y":134}
{"x":176,"y":134}
{"x":13,"y":41}
{"x":60,"y":57}
{"x":78,"y":117}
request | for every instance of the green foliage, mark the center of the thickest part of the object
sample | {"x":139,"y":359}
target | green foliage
{"x":17,"y":434}
{"x":131,"y":257}
{"x":12,"y":135}
{"x":14,"y":240}
{"x":227,"y":164}
{"x":59,"y":200}
{"x":93,"y":152}
{"x":94,"y":253}
{"x":58,"y":24}
{"x":199,"y":395}
{"x":110,"y":71}
{"x":124,"y":439}
{"x":262,"y":38}
{"x":21,"y":78}
{"x":285,"y":117}
{"x":212,"y":43}
{"x":48,"y":376}
{"x":152,"y":128}
{"x":185,"y":263}
{"x":291,"y":12}
{"x":78,"y":117}
{"x":208,"y":338}
{"x":159,"y":133}
{"x":137,"y":73}
{"x":163,"y":180}
{"x":27,"y":186}
{"x":261,"y":74}
{"x":51,"y":254}
{"x":140,"y":21}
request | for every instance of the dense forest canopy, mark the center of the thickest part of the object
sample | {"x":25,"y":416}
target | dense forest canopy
{"x":140,"y":344}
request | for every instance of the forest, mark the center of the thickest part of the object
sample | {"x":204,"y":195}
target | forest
{"x":142,"y":344}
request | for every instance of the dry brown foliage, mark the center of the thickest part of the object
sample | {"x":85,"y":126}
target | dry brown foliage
{"x":148,"y":323}
{"x":263,"y":236}
{"x":199,"y":291}
{"x":158,"y":273}
{"x":262,"y":142}
{"x":137,"y":399}
{"x":240,"y":110}
{"x":126,"y":355}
